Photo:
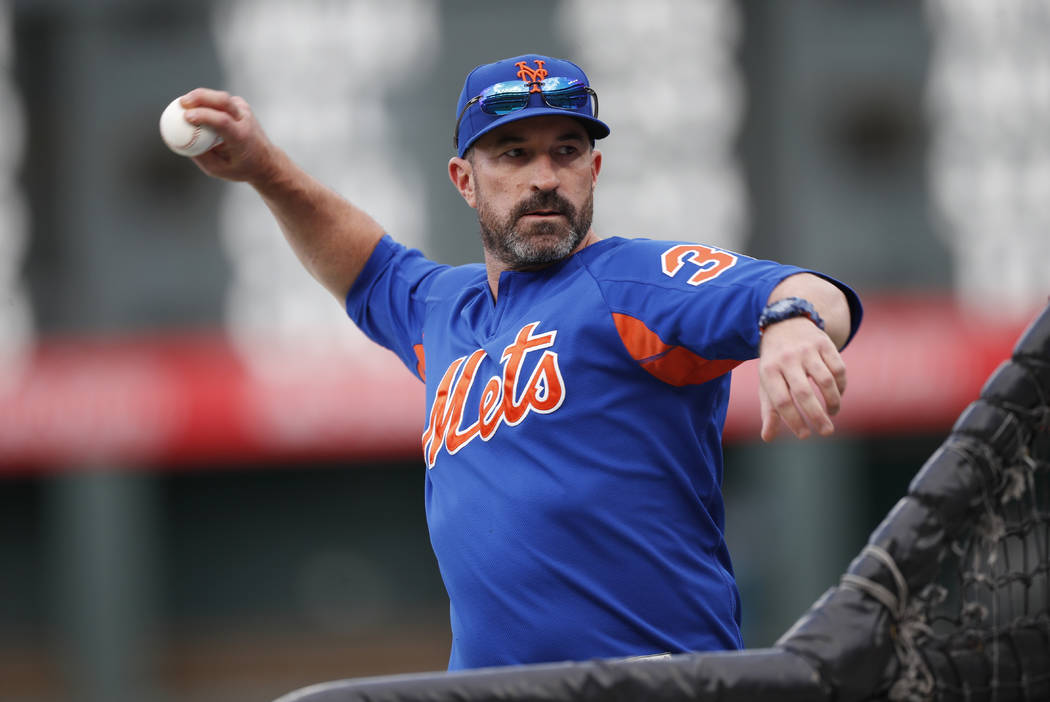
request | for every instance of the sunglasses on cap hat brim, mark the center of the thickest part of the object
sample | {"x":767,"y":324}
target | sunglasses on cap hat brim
{"x":507,"y":97}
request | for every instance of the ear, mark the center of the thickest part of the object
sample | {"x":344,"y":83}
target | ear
{"x":596,"y":165}
{"x":461,"y":173}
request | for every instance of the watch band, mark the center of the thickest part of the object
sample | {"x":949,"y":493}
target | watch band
{"x":788,"y":308}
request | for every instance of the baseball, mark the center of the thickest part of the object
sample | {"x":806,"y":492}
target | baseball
{"x":182,"y":137}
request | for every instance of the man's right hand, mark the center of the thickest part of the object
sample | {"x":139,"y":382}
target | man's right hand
{"x":245,"y":154}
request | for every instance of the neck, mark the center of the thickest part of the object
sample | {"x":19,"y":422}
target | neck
{"x":494,"y":267}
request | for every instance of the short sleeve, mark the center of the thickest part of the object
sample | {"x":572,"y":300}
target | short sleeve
{"x":388,"y":299}
{"x":701,"y":298}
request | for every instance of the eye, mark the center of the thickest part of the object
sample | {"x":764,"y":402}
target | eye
{"x":515,"y":152}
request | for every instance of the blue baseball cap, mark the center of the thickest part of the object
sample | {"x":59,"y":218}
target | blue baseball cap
{"x":536,"y":74}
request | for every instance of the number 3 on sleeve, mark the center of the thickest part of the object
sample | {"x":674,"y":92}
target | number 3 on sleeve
{"x":711,"y":262}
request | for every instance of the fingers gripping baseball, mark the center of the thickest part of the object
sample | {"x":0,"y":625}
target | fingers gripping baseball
{"x":801,"y":380}
{"x":245,"y":153}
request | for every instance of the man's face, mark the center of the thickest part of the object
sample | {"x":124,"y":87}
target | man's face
{"x":534,"y":189}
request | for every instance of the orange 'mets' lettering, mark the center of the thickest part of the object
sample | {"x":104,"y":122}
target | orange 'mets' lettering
{"x":502,"y":401}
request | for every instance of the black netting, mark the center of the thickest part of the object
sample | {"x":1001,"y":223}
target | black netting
{"x":982,"y":627}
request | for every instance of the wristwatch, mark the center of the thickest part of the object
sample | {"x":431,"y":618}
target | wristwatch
{"x":788,"y":308}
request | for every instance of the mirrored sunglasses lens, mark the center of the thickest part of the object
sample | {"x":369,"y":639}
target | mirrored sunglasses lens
{"x":567,"y":99}
{"x":502,"y":98}
{"x":502,"y":105}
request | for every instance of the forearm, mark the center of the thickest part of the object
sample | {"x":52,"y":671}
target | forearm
{"x":331,"y":237}
{"x":827,"y":299}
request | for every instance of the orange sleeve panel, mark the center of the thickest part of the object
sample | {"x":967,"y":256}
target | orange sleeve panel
{"x":674,"y":365}
{"x":421,"y":365}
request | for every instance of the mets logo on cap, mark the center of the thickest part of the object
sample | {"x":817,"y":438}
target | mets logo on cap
{"x":532,"y":76}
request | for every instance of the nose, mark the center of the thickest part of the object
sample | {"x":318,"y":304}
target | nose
{"x":545,"y":174}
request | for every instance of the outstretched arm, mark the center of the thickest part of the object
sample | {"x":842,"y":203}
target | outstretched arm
{"x":332,"y":237}
{"x":801,"y":374}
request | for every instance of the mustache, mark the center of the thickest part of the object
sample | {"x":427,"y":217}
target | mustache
{"x":549,"y":201}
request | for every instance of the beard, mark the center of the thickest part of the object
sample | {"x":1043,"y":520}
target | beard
{"x":520,"y":245}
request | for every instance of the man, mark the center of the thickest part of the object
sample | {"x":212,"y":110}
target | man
{"x":576,"y":386}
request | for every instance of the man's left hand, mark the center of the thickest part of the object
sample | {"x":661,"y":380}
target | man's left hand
{"x":801,"y":379}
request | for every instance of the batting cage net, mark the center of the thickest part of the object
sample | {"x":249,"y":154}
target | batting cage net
{"x":949,"y":600}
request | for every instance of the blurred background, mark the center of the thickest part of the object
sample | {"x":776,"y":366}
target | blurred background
{"x":211,"y":484}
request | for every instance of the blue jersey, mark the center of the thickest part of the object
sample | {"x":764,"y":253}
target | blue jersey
{"x":573,"y":441}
